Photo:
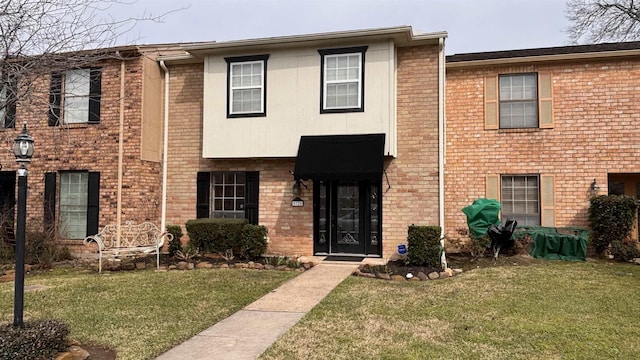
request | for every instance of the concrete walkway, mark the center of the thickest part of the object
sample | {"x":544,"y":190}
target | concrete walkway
{"x":249,"y":332}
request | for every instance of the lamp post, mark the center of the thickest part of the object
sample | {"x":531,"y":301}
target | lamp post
{"x":23,"y":150}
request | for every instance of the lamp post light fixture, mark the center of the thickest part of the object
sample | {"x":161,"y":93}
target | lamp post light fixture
{"x":23,"y":150}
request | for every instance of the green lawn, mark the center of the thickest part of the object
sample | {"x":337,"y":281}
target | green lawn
{"x":554,"y":310}
{"x":140,"y":314}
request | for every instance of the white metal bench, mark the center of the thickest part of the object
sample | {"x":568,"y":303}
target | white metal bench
{"x":144,"y":238}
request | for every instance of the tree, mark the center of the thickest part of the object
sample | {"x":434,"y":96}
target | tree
{"x":597,"y":21}
{"x":39,"y":37}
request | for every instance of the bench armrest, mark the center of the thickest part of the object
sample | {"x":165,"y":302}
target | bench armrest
{"x":95,"y":238}
{"x":160,"y":239}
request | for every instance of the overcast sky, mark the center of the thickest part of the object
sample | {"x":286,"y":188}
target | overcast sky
{"x":472,"y":25}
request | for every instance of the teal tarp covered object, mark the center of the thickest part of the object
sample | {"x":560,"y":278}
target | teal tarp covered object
{"x":550,"y":244}
{"x":480,"y":215}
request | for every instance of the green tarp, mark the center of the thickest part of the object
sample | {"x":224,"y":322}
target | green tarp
{"x":480,"y":215}
{"x":549,"y":244}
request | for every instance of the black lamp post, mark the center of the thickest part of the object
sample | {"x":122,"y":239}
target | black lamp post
{"x":23,"y":150}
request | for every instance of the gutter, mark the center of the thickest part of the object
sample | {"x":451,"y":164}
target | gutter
{"x":165,"y":147}
{"x":441,"y":145}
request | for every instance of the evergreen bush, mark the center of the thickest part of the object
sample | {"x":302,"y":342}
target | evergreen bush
{"x":175,"y":244}
{"x":216,"y":235}
{"x":424,"y":245}
{"x":41,"y":339}
{"x":611,"y":219}
{"x":253,"y":241}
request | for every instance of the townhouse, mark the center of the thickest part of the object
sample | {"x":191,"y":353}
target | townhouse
{"x":332,"y":141}
{"x":542,"y":130}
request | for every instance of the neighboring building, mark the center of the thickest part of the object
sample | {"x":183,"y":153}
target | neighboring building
{"x":542,"y":130}
{"x":351,"y":118}
{"x":98,"y":144}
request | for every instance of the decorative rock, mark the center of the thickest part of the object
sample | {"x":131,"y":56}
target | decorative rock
{"x":409,"y":276}
{"x":242,"y":266}
{"x":446,"y":273}
{"x":224,"y":266}
{"x":636,"y":261}
{"x":141,"y":266}
{"x":128,"y":266}
{"x":78,"y":353}
{"x":7,"y":278}
{"x":231,"y":266}
{"x":269,"y":267}
{"x":64,"y":356}
{"x":422,"y":276}
{"x":281,"y":267}
{"x":204,"y":265}
{"x":182,"y":265}
{"x":384,"y":276}
{"x":303,"y":259}
{"x":301,"y":269}
{"x":398,"y":278}
{"x":433,"y":275}
{"x":368,"y":275}
{"x":190,"y":266}
{"x":251,"y":265}
{"x":27,"y":268}
{"x":307,"y":265}
{"x":172,"y":267}
{"x":259,"y":266}
{"x":457,"y":271}
{"x":415,"y":278}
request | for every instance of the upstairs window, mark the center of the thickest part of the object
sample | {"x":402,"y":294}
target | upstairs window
{"x":342,"y":78}
{"x":518,"y":101}
{"x":74,"y":96}
{"x":246,"y":88}
{"x":7,"y":106}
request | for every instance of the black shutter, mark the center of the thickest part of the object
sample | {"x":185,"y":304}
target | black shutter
{"x":203,"y":193}
{"x":10,"y":104}
{"x":95,"y":91}
{"x":49,"y":198}
{"x":55,"y":95}
{"x":93,"y":203}
{"x":252,"y":187}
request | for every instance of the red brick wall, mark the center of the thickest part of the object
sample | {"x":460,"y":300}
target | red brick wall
{"x":596,"y":107}
{"x":90,"y":147}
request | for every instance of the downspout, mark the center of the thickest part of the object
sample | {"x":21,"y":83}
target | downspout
{"x":120,"y":153}
{"x":441,"y":143}
{"x":165,"y":147}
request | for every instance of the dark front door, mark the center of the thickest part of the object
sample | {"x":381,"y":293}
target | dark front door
{"x":347,"y":217}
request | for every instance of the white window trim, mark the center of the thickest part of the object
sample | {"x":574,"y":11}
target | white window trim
{"x":347,"y":81}
{"x":261,"y":59}
{"x":66,"y":97}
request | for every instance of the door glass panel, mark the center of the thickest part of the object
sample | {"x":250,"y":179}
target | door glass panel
{"x":348,"y":214}
{"x":374,"y":216}
{"x":616,"y":188}
{"x":322,"y":215}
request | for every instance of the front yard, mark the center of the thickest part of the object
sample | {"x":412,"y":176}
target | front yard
{"x":140,"y":314}
{"x":549,"y":310}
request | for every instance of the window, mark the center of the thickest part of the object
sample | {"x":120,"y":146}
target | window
{"x":342,"y":78}
{"x":79,"y":202}
{"x":74,"y":96}
{"x":520,"y":198}
{"x":246,"y":88}
{"x":518,"y":101}
{"x":228,"y":195}
{"x":73,"y":204}
{"x":7,"y":106}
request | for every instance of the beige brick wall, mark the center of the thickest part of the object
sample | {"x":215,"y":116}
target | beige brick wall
{"x":596,"y":107}
{"x":413,"y":176}
{"x":90,"y":147}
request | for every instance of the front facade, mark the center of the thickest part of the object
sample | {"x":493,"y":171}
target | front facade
{"x":351,"y":120}
{"x":542,"y":130}
{"x":97,"y":133}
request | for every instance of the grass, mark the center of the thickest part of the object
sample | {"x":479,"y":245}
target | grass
{"x":140,"y":314}
{"x":554,"y":310}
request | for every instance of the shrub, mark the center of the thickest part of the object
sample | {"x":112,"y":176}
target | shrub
{"x":611,"y":219}
{"x":175,"y":244}
{"x":624,"y":251}
{"x":424,"y":245}
{"x":41,"y":247}
{"x":41,"y":339}
{"x":216,"y":235}
{"x":253,"y":243}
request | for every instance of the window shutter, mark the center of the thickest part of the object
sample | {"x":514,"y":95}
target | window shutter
{"x":95,"y":92}
{"x":545,"y":99}
{"x":49,"y":198}
{"x":493,"y":187}
{"x":491,"y":111}
{"x":547,"y":203}
{"x":252,"y":187}
{"x":10,"y":106}
{"x":93,"y":203}
{"x":203,"y":193}
{"x":55,"y":95}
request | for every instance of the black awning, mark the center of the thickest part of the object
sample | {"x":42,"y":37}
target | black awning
{"x":335,"y":157}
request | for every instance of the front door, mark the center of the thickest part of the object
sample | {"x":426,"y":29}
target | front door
{"x":347,"y":217}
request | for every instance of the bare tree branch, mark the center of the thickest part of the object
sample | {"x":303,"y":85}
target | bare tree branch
{"x":596,"y":21}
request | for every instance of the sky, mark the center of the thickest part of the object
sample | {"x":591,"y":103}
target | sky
{"x":472,"y":25}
